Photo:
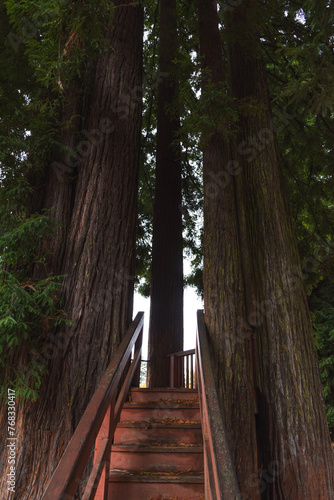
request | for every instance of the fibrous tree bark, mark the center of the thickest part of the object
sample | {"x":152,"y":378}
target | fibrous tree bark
{"x":224,"y":284}
{"x":166,"y":313}
{"x":295,"y":453}
{"x":92,"y":191}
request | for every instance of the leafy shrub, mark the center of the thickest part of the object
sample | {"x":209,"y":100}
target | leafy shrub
{"x":29,"y":308}
{"x":27,"y":312}
{"x":322,"y":306}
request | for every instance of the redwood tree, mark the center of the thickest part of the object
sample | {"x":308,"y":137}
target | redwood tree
{"x":295,"y":453}
{"x":224,"y":284}
{"x":252,"y":275}
{"x":166,"y":313}
{"x":92,"y":191}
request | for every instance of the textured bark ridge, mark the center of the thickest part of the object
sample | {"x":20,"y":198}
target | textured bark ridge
{"x":166,"y":314}
{"x":295,"y":453}
{"x":253,"y":285}
{"x":224,"y":289}
{"x":93,"y":193}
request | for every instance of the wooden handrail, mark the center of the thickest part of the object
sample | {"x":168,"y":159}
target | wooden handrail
{"x":98,"y":424}
{"x":182,"y":369}
{"x":219,"y":472}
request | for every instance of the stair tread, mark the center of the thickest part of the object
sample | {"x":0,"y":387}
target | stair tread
{"x":160,"y":413}
{"x":119,"y":475}
{"x":160,"y":404}
{"x":147,"y":424}
{"x":163,"y":389}
{"x":149,"y":458}
{"x":158,"y":448}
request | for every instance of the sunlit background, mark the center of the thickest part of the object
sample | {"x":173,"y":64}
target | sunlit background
{"x":191,"y":303}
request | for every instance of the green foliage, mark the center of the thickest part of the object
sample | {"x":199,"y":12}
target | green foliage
{"x":28,"y":308}
{"x":28,"y":116}
{"x":48,"y":51}
{"x":27,"y":312}
{"x":60,"y":38}
{"x":144,"y":231}
{"x":300,"y":68}
{"x":187,"y":72}
{"x":20,"y":246}
{"x":212,"y":113}
{"x":322,"y":305}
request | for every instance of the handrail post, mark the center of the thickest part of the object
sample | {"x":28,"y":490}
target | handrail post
{"x":138,"y":346}
{"x":172,"y":371}
{"x":177,"y":372}
{"x":181,"y":372}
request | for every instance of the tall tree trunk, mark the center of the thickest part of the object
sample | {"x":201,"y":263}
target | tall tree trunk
{"x":224,"y":288}
{"x":94,"y":249}
{"x":295,"y":453}
{"x":166,"y":315}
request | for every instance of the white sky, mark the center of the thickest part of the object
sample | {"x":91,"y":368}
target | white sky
{"x":191,"y":303}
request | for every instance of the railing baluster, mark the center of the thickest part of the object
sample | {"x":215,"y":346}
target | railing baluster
{"x":192,"y":371}
{"x":138,"y":346}
{"x":181,"y":384}
{"x":172,"y":371}
{"x":182,"y":372}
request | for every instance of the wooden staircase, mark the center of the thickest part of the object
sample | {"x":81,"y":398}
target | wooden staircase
{"x":147,"y":444}
{"x":157,"y":452}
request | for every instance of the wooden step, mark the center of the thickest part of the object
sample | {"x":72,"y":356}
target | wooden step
{"x":137,"y":394}
{"x":147,"y":412}
{"x":134,"y":486}
{"x":153,"y":404}
{"x":171,"y":423}
{"x":157,"y":458}
{"x":158,"y":447}
{"x":158,"y":450}
{"x":130,"y":434}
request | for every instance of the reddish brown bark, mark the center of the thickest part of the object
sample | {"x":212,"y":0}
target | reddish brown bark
{"x":295,"y":453}
{"x":224,"y":288}
{"x":95,"y":198}
{"x":166,"y":313}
